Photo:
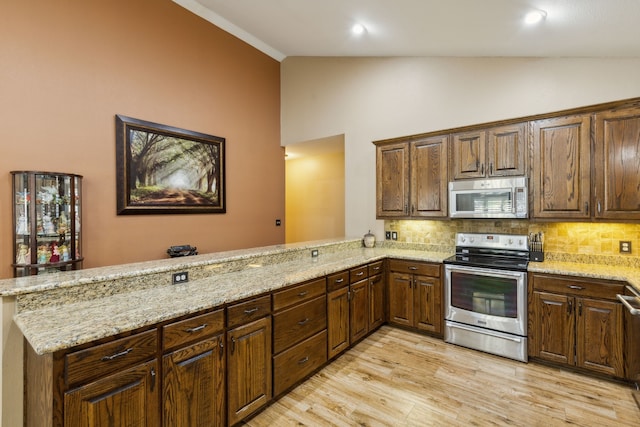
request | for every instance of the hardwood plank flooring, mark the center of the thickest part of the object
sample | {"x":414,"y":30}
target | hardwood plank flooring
{"x":398,"y":378}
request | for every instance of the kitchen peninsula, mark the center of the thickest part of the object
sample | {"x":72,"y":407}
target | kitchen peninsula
{"x":73,"y":309}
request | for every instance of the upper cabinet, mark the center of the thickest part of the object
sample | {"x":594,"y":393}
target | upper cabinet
{"x":486,"y":153}
{"x":617,"y":164}
{"x":392,"y":180}
{"x":411,"y":178}
{"x":561,"y":167}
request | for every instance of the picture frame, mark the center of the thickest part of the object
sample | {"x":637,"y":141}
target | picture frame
{"x":167,"y":170}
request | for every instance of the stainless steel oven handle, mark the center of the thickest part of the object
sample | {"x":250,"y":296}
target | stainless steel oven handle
{"x":485,"y":271}
{"x":625,"y":301}
{"x":486,"y":332}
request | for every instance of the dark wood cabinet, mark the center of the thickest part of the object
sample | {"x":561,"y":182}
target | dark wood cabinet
{"x":578,"y":322}
{"x":415,"y":295}
{"x":299,"y":333}
{"x":355,"y":305}
{"x":358,"y":310}
{"x":428,"y":177}
{"x":193,"y":386}
{"x":487,"y":153}
{"x":338,"y":318}
{"x":392,"y":180}
{"x":617,"y":170}
{"x":411,"y":178}
{"x":561,"y":180}
{"x":127,"y":398}
{"x":249,"y":378}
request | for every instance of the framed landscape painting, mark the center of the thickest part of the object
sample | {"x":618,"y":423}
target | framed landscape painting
{"x":163,"y":170}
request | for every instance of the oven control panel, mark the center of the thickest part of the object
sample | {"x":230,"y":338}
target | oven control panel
{"x":493,"y":241}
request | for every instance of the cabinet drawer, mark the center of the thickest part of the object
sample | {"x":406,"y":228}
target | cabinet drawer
{"x":358,"y":273}
{"x":296,"y":363}
{"x":577,"y":286}
{"x":194,"y":328}
{"x":413,"y":267}
{"x":337,"y":281}
{"x":299,"y":322}
{"x":375,"y":268}
{"x":103,"y":359}
{"x":245,"y":312}
{"x":298,"y":294}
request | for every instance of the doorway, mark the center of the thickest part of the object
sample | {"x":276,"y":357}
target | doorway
{"x":314,"y":190}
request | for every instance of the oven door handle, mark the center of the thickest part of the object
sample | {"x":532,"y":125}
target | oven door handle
{"x":486,"y":332}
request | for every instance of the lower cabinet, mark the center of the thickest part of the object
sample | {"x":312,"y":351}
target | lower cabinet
{"x":578,"y":322}
{"x":355,"y":305}
{"x":127,"y":398}
{"x":415,"y":295}
{"x":299,"y":333}
{"x":249,"y":379}
{"x":193,"y":386}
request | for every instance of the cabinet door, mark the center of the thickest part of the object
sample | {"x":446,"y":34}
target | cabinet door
{"x":359,"y":310}
{"x":506,"y":150}
{"x":249,"y":368}
{"x":554,"y":324}
{"x":338,"y":321}
{"x":400,"y":299}
{"x":600,"y":332}
{"x":128,"y":398}
{"x":617,"y":169}
{"x":392,"y":180}
{"x":467,"y":155}
{"x":561,"y":167}
{"x":193,"y":385}
{"x":427,"y":304}
{"x":429,"y":177}
{"x":376,"y":301}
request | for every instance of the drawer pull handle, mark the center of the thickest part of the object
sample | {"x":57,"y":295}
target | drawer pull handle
{"x":117,"y":355}
{"x":575,"y":287}
{"x":196,"y":329}
{"x":412,"y":268}
{"x":339,"y":280}
{"x":303,"y":361}
{"x":360,"y":273}
{"x":303,"y":322}
{"x":302,"y":294}
{"x":376,"y":268}
{"x":251,"y":311}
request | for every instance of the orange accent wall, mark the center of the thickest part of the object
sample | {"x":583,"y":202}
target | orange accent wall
{"x":67,"y":67}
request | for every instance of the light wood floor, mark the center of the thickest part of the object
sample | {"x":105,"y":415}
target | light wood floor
{"x":397,"y":378}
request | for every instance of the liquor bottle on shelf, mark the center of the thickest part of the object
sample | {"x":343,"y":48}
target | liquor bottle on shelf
{"x":46,"y":215}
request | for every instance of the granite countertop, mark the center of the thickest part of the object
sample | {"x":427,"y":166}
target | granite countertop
{"x":71,"y":322}
{"x":77,"y":323}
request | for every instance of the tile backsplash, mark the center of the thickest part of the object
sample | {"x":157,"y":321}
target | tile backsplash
{"x":576,"y":241}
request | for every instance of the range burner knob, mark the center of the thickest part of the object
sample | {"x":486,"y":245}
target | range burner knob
{"x":510,"y":241}
{"x":472,"y":239}
{"x":462,"y":239}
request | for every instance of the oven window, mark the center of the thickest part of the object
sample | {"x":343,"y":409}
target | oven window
{"x":496,"y":296}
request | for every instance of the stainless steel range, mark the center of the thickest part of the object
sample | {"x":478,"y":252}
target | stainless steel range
{"x":486,"y":294}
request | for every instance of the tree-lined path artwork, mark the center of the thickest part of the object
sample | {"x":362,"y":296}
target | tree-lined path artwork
{"x":168,"y":170}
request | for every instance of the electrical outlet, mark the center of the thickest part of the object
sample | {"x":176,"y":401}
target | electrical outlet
{"x":314,"y":253}
{"x":182,"y":277}
{"x":625,"y":246}
{"x":387,"y":235}
{"x":278,"y":223}
{"x":394,"y":235}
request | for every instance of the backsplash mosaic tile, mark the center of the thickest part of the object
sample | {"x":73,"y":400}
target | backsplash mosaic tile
{"x":563,"y":241}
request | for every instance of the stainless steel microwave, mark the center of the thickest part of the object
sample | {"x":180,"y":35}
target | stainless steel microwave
{"x":489,"y":198}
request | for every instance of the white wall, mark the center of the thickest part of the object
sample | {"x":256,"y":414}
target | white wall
{"x":369,"y":99}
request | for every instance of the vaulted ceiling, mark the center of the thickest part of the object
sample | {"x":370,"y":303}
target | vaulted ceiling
{"x":572,"y":28}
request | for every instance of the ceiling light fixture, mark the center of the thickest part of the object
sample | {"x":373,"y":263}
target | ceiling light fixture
{"x":358,"y":29}
{"x":535,"y":16}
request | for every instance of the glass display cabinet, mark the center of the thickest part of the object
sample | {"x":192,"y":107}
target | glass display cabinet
{"x":46,"y":222}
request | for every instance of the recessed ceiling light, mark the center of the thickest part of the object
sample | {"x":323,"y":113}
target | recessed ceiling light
{"x":535,"y":16}
{"x":358,"y":29}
